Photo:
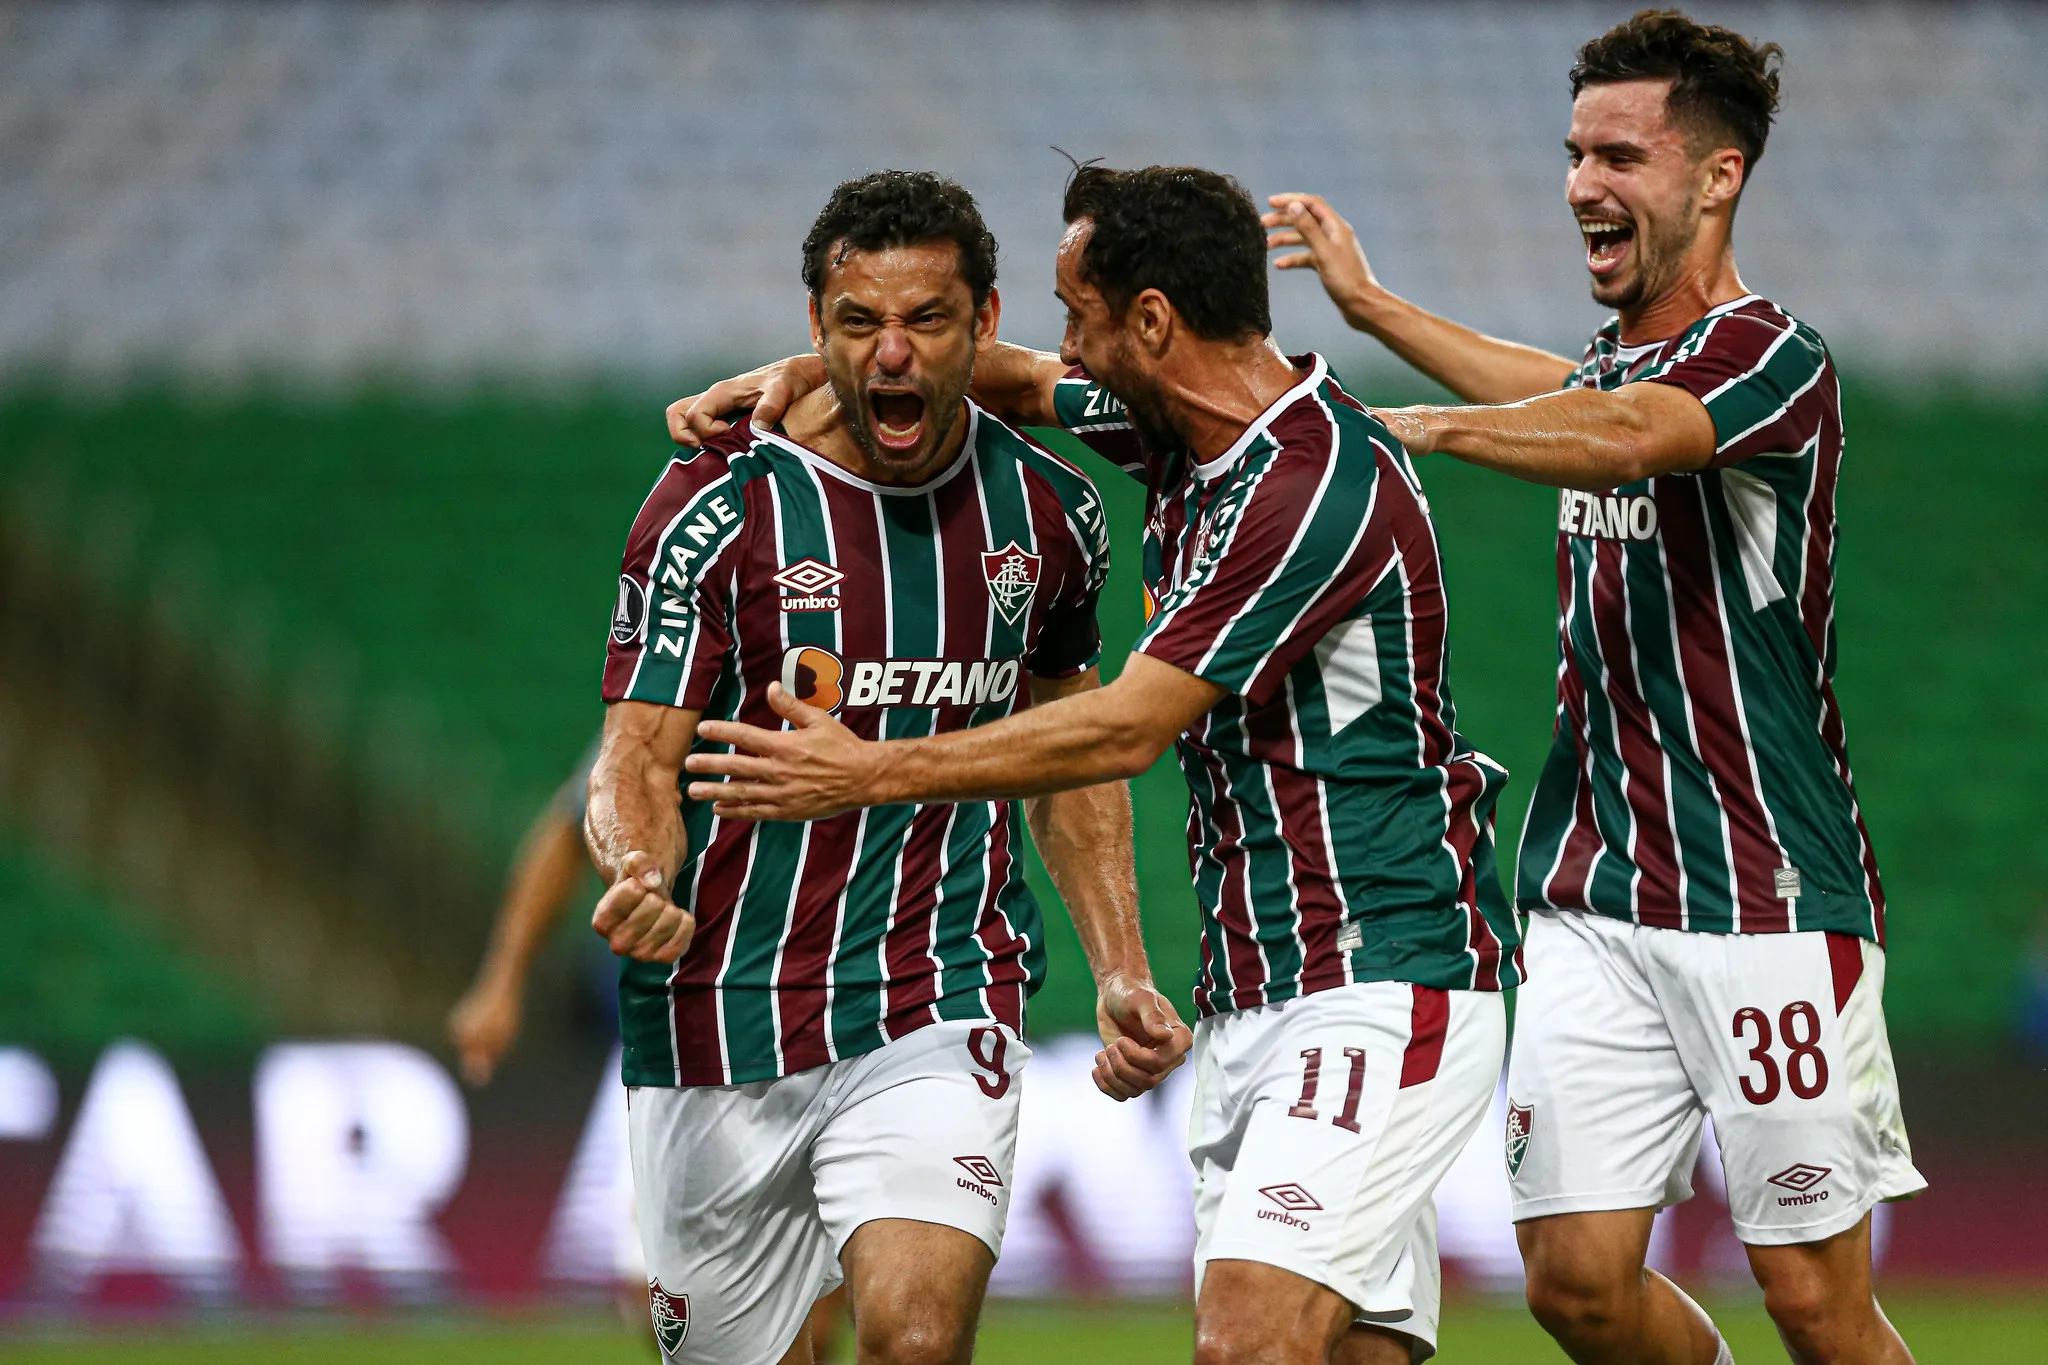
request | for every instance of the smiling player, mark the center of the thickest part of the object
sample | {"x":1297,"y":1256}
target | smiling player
{"x":1707,"y":927}
{"x":825,"y":1082}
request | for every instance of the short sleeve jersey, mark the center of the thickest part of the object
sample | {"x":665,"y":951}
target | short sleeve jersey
{"x":904,"y":611}
{"x":1339,"y":828}
{"x":1698,"y":777}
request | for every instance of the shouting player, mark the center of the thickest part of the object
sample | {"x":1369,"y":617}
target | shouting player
{"x":825,"y":1082}
{"x":1356,"y":941}
{"x":1706,"y":929}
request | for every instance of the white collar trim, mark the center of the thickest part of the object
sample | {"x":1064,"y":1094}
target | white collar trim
{"x":1317,"y":373}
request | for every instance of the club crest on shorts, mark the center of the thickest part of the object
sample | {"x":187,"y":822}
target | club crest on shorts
{"x":1521,"y":1122}
{"x":1012,"y":574}
{"x":671,"y":1314}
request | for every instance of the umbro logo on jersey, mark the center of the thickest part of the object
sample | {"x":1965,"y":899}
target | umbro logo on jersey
{"x":1607,"y":516}
{"x":671,"y":1313}
{"x":1012,"y":578}
{"x":824,"y":680}
{"x":812,"y":581}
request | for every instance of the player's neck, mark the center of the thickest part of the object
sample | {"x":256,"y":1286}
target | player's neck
{"x":1215,"y":390}
{"x":818,"y":423}
{"x":1707,"y":279}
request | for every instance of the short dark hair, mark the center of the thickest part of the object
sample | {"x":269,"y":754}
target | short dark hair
{"x":1722,"y":85}
{"x":1193,"y":235}
{"x":902,"y":208}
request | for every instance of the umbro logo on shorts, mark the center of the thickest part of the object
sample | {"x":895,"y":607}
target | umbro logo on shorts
{"x":985,"y":1174}
{"x":671,"y":1314}
{"x":1800,"y":1179}
{"x":1293,"y":1200}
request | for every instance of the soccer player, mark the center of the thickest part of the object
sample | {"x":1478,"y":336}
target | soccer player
{"x":823,"y":1022}
{"x":1706,"y":927}
{"x":485,"y":1022}
{"x":1355,"y":939}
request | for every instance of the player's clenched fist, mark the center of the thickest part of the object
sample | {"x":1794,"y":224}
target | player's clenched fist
{"x":636,"y":916}
{"x":1143,"y":1037}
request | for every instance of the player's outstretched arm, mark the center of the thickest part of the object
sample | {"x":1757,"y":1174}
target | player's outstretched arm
{"x":485,"y":1022}
{"x":1013,"y":382}
{"x":1084,"y":835}
{"x":818,"y":768}
{"x":1476,"y":367}
{"x":635,"y":829}
{"x":1577,"y":438}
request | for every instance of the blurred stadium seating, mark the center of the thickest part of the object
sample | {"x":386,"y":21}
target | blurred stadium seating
{"x":333,"y":340}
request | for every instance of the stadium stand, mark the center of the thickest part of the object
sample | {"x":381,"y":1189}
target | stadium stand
{"x":432,"y":190}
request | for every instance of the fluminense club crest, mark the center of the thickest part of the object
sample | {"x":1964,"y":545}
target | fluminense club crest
{"x":1521,"y":1122}
{"x":671,"y":1318}
{"x":1012,"y":577}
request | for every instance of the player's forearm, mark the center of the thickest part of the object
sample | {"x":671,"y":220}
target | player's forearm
{"x":1581,"y":438}
{"x":634,"y":807}
{"x":1017,"y":383}
{"x":1084,"y":836}
{"x":1075,"y":742}
{"x":1476,"y":367}
{"x":542,"y":881}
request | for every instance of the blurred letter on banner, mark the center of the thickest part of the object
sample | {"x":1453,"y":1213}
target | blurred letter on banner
{"x":594,"y":1239}
{"x":133,"y":1190}
{"x":357,"y":1147}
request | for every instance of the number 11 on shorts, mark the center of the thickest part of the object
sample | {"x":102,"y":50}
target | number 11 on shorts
{"x":1311,"y":1077}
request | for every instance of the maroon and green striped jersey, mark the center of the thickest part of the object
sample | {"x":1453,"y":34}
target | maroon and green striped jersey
{"x":1339,"y":827}
{"x":905,"y":611}
{"x":1698,"y":777}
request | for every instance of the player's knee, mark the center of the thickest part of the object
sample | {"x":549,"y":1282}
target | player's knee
{"x":1576,"y":1302}
{"x":1812,"y":1318}
{"x":912,"y":1336}
{"x":1225,"y":1340}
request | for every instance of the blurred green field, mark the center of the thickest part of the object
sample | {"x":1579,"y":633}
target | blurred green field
{"x":1946,"y":1329}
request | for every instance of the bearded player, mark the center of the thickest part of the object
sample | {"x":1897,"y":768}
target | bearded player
{"x":1355,"y":940}
{"x":1707,"y":928}
{"x":823,"y":1022}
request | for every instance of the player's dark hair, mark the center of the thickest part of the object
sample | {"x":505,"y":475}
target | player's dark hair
{"x":1724,"y":88}
{"x":901,"y":208}
{"x":1191,"y":234}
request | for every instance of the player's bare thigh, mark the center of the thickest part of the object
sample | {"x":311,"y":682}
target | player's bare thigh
{"x":1250,"y":1312}
{"x":915,"y":1290}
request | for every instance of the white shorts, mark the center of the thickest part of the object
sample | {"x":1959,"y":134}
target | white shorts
{"x":746,"y":1194}
{"x":1321,"y":1127}
{"x":1627,"y":1036}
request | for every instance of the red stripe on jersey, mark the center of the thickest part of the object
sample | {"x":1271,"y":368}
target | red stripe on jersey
{"x":1234,"y":913}
{"x":1428,"y":1020}
{"x":1658,"y":898}
{"x":1570,"y":882}
{"x":1710,"y":689}
{"x":1845,"y":964}
{"x":1006,"y":968}
{"x":695,"y":1036}
{"x":800,"y":996}
{"x":1298,"y":801}
{"x":1464,"y":782}
{"x":911,"y":981}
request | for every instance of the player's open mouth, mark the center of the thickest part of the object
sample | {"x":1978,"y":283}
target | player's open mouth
{"x":899,"y":418}
{"x":1607,"y":243}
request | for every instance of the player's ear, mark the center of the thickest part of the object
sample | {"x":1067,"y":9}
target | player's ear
{"x":1152,"y":320}
{"x":1722,"y":177}
{"x":817,"y":328}
{"x":986,"y":319}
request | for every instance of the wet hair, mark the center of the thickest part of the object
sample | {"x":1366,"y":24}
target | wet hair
{"x":901,"y":208}
{"x":1724,"y":88}
{"x":1193,"y":235}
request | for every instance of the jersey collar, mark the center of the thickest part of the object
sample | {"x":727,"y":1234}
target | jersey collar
{"x":897,"y":490}
{"x":1318,"y":371}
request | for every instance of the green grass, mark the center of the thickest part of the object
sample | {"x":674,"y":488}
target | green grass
{"x":1946,"y":1329}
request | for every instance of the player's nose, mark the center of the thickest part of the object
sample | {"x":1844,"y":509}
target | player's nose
{"x":893,"y":351}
